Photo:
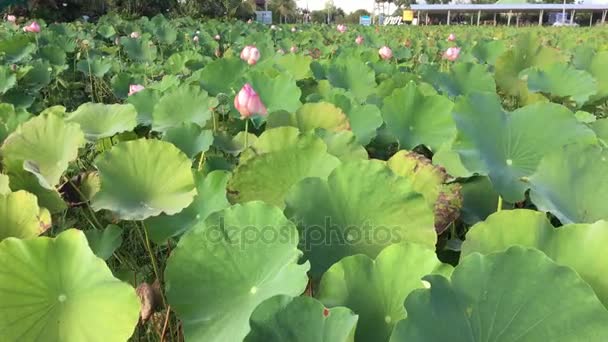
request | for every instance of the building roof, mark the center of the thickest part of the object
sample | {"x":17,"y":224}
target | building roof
{"x":506,"y":7}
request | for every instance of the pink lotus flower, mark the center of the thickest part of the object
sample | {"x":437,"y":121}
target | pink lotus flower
{"x":359,"y":40}
{"x":250,"y":54}
{"x":135,"y":35}
{"x":293,"y":49}
{"x":451,"y":54}
{"x":195,"y":39}
{"x":386,"y":53}
{"x":248,"y":102}
{"x":11,"y":18}
{"x":33,"y":27}
{"x":217,"y":37}
{"x":451,"y":37}
{"x":135,"y":88}
{"x":341,"y":28}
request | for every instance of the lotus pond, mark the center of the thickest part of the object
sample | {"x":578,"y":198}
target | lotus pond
{"x":179,"y":180}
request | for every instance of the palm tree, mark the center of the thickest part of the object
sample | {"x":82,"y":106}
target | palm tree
{"x":284,"y":8}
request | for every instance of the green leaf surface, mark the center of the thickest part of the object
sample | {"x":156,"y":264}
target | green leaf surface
{"x":562,"y":81}
{"x":104,"y":242}
{"x":98,"y":120}
{"x":190,"y":138}
{"x":182,"y":105}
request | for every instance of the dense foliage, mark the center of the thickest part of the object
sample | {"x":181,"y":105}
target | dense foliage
{"x":208,"y":181}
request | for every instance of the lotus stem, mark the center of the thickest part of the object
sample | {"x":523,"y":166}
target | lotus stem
{"x":499,"y":207}
{"x":146,"y":240}
{"x":246,"y":134}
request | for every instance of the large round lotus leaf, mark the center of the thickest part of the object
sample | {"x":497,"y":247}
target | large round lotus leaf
{"x":143,"y":178}
{"x":20,"y":216}
{"x":186,"y":104}
{"x":600,"y":127}
{"x":321,"y":115}
{"x":37,"y":77}
{"x":10,"y":119}
{"x":375,"y":289}
{"x":274,"y":140}
{"x":176,"y":64}
{"x":16,"y":48}
{"x":139,"y":49}
{"x":516,"y":295}
{"x":233,"y":144}
{"x":507,"y":146}
{"x":354,"y":75}
{"x":106,"y":30}
{"x":190,"y":138}
{"x":562,"y":81}
{"x":95,"y":67}
{"x":364,"y":121}
{"x":361,"y":208}
{"x":599,"y":69}
{"x":269,"y":176}
{"x":527,"y":52}
{"x":211,"y":197}
{"x":300,"y":319}
{"x":221,"y":75}
{"x":227,"y":265}
{"x":144,"y":102}
{"x":277,"y":93}
{"x":462,"y":79}
{"x":416,"y":119}
{"x":104,"y":242}
{"x":579,"y":246}
{"x":47,"y":198}
{"x":55,"y":55}
{"x":4,"y":185}
{"x":7,"y":79}
{"x":343,"y":145}
{"x":58,"y":290}
{"x":43,"y":146}
{"x":489,"y":51}
{"x":98,"y":120}
{"x":571,"y":184}
{"x":297,"y":66}
{"x":431,"y":181}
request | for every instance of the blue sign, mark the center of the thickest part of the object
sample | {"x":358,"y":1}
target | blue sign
{"x":264,"y":17}
{"x":365,"y":20}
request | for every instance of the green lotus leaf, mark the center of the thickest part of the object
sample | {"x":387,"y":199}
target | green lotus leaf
{"x":132,"y":173}
{"x":375,"y":289}
{"x":579,"y":246}
{"x":354,"y":75}
{"x":416,"y":119}
{"x":462,"y":79}
{"x":165,"y":33}
{"x":104,"y":242}
{"x":166,"y":83}
{"x":321,"y":115}
{"x":190,"y":138}
{"x":585,"y":117}
{"x":43,"y":146}
{"x":50,"y":199}
{"x":361,"y":208}
{"x":515,"y":295}
{"x":364,"y":121}
{"x":507,"y":146}
{"x":431,"y":181}
{"x":38,"y":77}
{"x":233,"y":145}
{"x":144,"y":102}
{"x":139,"y":49}
{"x":227,"y":265}
{"x":343,"y":145}
{"x":480,"y":200}
{"x":300,"y":319}
{"x":186,"y":104}
{"x":54,"y":54}
{"x":275,"y":140}
{"x":570,"y":184}
{"x":16,"y":48}
{"x":98,"y":120}
{"x":96,"y":67}
{"x":489,"y":51}
{"x":599,"y":69}
{"x":211,"y":197}
{"x":176,"y":64}
{"x":277,"y":93}
{"x":5,"y":188}
{"x":600,"y":127}
{"x":10,"y":119}
{"x":528,"y":52}
{"x":297,"y":66}
{"x":562,"y":81}
{"x":269,"y":176}
{"x":7,"y":79}
{"x":20,"y":216}
{"x":59,"y":289}
{"x":221,"y":75}
{"x":107,"y":31}
{"x":121,"y":83}
{"x":19,"y":98}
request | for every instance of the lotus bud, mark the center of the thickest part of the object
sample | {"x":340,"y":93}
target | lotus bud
{"x":451,"y":54}
{"x":195,"y":39}
{"x":217,"y":37}
{"x":273,"y":27}
{"x":341,"y":28}
{"x":250,"y":54}
{"x":451,"y":37}
{"x":293,"y":29}
{"x":293,"y":49}
{"x":135,"y":35}
{"x":359,"y":40}
{"x":11,"y":18}
{"x":135,"y":88}
{"x":249,"y":21}
{"x":248,"y":102}
{"x":386,"y":53}
{"x":33,"y":27}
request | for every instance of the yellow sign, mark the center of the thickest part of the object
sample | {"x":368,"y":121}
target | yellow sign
{"x":408,"y":15}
